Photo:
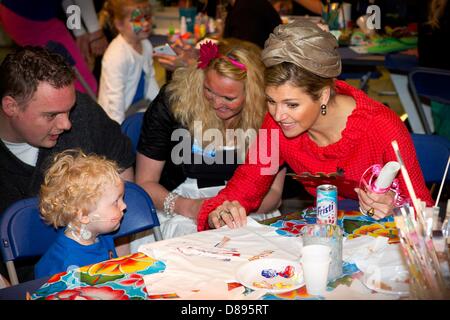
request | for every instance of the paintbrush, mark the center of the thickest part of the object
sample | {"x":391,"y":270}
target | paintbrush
{"x":409,"y":186}
{"x":442,"y":183}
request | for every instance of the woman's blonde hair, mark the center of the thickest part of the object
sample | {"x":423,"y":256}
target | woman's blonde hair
{"x":114,"y":10}
{"x":435,"y":12}
{"x":186,"y":92}
{"x":75,"y":181}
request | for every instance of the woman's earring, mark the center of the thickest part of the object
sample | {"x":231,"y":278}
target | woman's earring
{"x":323,"y":109}
{"x":85,"y":233}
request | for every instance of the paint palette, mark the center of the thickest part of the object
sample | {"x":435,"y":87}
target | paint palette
{"x":273,"y":275}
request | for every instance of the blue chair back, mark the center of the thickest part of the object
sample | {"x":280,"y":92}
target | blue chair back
{"x":432,"y":152}
{"x":432,"y":84}
{"x":131,"y":126}
{"x":24,"y":234}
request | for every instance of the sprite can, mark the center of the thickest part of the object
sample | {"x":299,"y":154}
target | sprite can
{"x":326,"y":204}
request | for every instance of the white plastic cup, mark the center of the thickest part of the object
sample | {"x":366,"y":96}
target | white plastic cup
{"x":316,"y":263}
{"x":325,"y":235}
{"x":319,"y":251}
{"x":315,"y":273}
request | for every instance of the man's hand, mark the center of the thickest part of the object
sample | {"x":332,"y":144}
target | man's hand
{"x":83,"y":44}
{"x":97,"y":43}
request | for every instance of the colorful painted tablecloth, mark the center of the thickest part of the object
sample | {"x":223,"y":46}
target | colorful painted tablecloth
{"x":353,"y":223}
{"x":115,"y":279}
{"x":121,"y":278}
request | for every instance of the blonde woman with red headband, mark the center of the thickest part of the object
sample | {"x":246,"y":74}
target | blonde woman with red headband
{"x":190,"y":142}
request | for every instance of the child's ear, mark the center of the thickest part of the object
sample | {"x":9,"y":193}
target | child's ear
{"x":83,"y":218}
{"x":118,"y":24}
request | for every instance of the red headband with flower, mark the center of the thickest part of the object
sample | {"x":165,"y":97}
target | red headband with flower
{"x":210,"y":51}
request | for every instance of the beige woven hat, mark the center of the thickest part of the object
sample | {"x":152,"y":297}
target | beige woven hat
{"x":306,"y":45}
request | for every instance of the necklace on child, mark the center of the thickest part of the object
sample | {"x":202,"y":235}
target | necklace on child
{"x":84,"y":234}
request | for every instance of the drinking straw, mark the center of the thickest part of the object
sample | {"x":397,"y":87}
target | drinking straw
{"x":442,"y":183}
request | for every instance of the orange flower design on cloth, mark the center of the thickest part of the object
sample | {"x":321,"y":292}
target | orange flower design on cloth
{"x":56,"y":277}
{"x":386,"y":229}
{"x":119,"y":266}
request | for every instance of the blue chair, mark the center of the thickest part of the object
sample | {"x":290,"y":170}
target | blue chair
{"x":140,"y":214}
{"x":432,"y":84}
{"x":25,"y":235}
{"x":432,"y":152}
{"x":131,"y":126}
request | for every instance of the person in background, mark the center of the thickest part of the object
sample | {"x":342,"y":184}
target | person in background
{"x":127,"y":80}
{"x":250,"y":20}
{"x":41,"y":114}
{"x":84,"y":194}
{"x":36,"y":23}
{"x":298,"y":7}
{"x":434,"y":29}
{"x":306,"y":7}
{"x":223,"y":95}
{"x":322,"y":125}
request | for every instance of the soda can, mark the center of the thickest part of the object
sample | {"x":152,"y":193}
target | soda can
{"x":326,"y":204}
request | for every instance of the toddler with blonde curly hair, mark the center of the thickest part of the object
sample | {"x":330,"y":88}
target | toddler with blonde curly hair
{"x":84,"y":194}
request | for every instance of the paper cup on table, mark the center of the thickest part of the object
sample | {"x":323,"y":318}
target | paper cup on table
{"x":326,"y":235}
{"x":315,"y":273}
{"x":319,"y":251}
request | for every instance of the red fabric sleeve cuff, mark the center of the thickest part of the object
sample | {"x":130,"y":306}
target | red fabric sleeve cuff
{"x":208,"y":206}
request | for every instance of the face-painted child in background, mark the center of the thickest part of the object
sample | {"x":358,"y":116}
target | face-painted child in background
{"x":127,"y":80}
{"x":135,"y":22}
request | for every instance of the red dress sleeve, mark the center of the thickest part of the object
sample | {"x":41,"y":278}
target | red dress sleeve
{"x":251,"y":180}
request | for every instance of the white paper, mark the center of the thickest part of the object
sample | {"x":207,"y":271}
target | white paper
{"x":194,"y":262}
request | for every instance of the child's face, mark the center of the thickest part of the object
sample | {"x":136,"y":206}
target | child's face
{"x":109,"y":212}
{"x":137,"y":24}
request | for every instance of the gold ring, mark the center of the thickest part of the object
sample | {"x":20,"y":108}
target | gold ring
{"x":221,"y":213}
{"x":370,"y":212}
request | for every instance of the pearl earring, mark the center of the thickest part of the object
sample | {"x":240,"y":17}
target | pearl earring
{"x":323,"y":109}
